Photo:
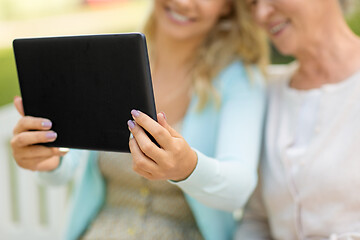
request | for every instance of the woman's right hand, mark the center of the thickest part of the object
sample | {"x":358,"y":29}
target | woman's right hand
{"x":29,"y":131}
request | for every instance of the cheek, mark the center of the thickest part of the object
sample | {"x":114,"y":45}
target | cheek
{"x":209,"y":20}
{"x":208,"y":24}
{"x":159,"y":8}
{"x":289,"y":43}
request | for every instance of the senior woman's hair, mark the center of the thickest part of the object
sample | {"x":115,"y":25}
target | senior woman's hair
{"x":348,"y":5}
{"x":234,"y":37}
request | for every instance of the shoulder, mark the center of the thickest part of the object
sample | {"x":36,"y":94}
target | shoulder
{"x":238,"y":76}
{"x":235,"y":71}
{"x":235,"y":68}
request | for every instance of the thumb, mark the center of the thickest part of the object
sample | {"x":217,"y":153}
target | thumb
{"x":162,"y":121}
{"x":19,"y":105}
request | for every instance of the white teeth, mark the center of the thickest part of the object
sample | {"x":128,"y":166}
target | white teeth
{"x":179,"y":17}
{"x":278,"y":27}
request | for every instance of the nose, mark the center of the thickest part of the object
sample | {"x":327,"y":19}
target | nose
{"x":263,"y":10}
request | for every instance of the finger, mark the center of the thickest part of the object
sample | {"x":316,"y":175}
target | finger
{"x":19,"y":105}
{"x":141,"y":163}
{"x":44,"y":163}
{"x":30,"y":165}
{"x":29,"y":138}
{"x":32,"y":123}
{"x":60,"y":152}
{"x":162,"y":121}
{"x":52,"y":153}
{"x":161,"y":135}
{"x":49,"y":164}
{"x":147,"y":146}
{"x":144,"y":174}
{"x":39,"y":152}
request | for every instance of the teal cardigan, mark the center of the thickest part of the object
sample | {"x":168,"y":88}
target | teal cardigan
{"x":212,"y":132}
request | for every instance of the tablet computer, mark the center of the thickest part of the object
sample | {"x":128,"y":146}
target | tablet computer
{"x":87,"y":86}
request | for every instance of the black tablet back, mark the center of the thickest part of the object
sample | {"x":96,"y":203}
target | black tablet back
{"x":87,"y":86}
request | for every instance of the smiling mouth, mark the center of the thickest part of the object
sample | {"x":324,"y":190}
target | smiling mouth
{"x":278,"y":28}
{"x":178,"y":17}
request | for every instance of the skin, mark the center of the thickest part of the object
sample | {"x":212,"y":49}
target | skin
{"x":159,"y":163}
{"x":175,"y":42}
{"x":316,"y":34}
{"x":174,"y":45}
{"x":27,"y":155}
{"x":202,"y":16}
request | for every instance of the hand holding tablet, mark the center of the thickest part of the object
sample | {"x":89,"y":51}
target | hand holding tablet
{"x":80,"y":92}
{"x":86,"y":86}
{"x":28,"y":132}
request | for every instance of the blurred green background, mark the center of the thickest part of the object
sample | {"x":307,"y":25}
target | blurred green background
{"x":20,"y":18}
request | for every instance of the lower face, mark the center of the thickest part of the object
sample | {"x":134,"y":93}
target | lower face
{"x":283,"y":36}
{"x":292,"y":24}
{"x":186,"y":20}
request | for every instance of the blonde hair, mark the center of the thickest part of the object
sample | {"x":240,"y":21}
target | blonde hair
{"x":348,"y":6}
{"x":235,"y":36}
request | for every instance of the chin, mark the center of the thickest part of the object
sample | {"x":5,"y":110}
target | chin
{"x":177,"y":35}
{"x":285,"y":49}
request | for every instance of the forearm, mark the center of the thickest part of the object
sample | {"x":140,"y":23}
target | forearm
{"x":224,"y":185}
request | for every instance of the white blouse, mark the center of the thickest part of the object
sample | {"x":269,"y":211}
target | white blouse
{"x":310,"y":174}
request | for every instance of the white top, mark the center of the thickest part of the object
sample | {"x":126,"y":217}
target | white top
{"x":310,"y":176}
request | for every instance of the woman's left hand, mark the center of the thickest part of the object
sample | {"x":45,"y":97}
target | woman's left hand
{"x":173,"y":160}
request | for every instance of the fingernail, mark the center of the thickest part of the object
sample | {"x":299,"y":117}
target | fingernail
{"x":46,"y":124}
{"x":131,"y":124}
{"x":164,"y":115}
{"x":135,"y":113}
{"x":64,"y":149}
{"x":51,"y":135}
